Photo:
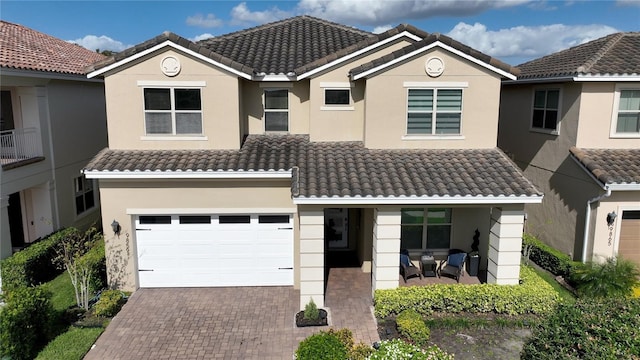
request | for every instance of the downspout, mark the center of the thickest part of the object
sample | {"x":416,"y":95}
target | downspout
{"x":587,"y":221}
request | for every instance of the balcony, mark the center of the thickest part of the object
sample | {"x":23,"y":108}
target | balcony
{"x":20,"y":147}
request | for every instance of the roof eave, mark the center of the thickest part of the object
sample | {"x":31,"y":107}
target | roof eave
{"x":171,"y":44}
{"x":437,"y":43}
{"x":38,"y":74}
{"x":418,"y":200}
{"x":146,"y":175}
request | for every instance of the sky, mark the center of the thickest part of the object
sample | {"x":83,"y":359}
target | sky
{"x":514,"y":31}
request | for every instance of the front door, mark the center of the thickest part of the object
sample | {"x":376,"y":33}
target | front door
{"x":336,"y":228}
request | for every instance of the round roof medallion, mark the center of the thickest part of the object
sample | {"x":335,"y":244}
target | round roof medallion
{"x":434,"y":67}
{"x":170,"y":66}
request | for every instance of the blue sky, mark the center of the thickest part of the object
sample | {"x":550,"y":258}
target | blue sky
{"x":512,"y":30}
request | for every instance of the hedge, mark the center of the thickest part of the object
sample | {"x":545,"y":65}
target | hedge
{"x":533,"y":296}
{"x":33,"y":265}
{"x":95,"y":258}
{"x":588,"y":329}
{"x":546,"y":257}
{"x":25,"y":322}
{"x":412,"y":327}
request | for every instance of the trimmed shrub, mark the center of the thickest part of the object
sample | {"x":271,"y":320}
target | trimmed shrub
{"x":96,"y":261}
{"x":533,"y":296}
{"x":33,"y":265}
{"x":311,"y":311}
{"x":412,"y":327}
{"x":397,"y":349}
{"x":321,"y":346}
{"x":109,"y":304}
{"x":25,"y":321}
{"x":588,"y":329}
{"x":547,"y":257}
{"x":614,"y":277}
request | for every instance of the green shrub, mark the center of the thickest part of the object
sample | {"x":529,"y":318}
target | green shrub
{"x":71,"y":345}
{"x":547,"y":257}
{"x":25,"y":321}
{"x":589,"y":329}
{"x":95,"y":259}
{"x":321,"y":346}
{"x":412,"y":327}
{"x":109,"y":303}
{"x":33,"y":265}
{"x":358,"y":351}
{"x":397,"y":349}
{"x":614,"y":277}
{"x":311,"y":311}
{"x":533,"y":296}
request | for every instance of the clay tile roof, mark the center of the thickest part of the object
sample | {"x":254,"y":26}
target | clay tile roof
{"x":286,"y":46}
{"x":427,"y":40}
{"x":615,"y":54}
{"x":610,"y":166}
{"x":341,"y":169}
{"x":27,"y":49}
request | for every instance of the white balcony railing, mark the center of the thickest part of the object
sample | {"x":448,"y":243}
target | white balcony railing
{"x":19,"y":144}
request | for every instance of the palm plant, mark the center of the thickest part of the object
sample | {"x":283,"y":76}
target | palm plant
{"x":612,"y":278}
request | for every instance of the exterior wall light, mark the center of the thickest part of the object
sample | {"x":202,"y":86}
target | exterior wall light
{"x":115,"y":226}
{"x":611,"y":217}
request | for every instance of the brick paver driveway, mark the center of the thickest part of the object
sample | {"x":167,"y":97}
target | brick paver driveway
{"x":204,"y":323}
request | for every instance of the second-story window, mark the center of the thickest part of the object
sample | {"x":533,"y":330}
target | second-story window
{"x":336,"y":97}
{"x":172,"y":111}
{"x":276,"y":110}
{"x":434,"y":111}
{"x":546,"y":103}
{"x":628,"y":119}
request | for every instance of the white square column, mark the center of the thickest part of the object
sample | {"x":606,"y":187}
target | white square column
{"x":311,"y":257}
{"x":385,"y":266}
{"x":505,"y":245}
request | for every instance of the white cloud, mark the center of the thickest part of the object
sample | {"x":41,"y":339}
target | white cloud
{"x":201,"y":37}
{"x":241,"y":15}
{"x":209,"y":21}
{"x":381,"y":29}
{"x":527,"y":41}
{"x":376,"y":12}
{"x":102,"y":42}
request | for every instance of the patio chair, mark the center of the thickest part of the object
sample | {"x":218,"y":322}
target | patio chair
{"x":407,"y":269}
{"x":454,"y":266}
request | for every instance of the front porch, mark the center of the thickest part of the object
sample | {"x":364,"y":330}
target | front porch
{"x":376,"y":236}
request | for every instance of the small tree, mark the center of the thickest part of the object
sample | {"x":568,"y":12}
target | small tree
{"x":69,"y":255}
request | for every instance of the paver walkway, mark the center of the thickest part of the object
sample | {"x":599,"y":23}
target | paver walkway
{"x":228,"y":323}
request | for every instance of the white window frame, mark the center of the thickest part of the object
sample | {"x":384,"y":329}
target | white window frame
{"x":558,"y":115}
{"x":336,"y":86}
{"x":172,"y":85}
{"x":83,"y":193}
{"x":425,"y":225}
{"x":287,"y":110}
{"x":616,"y":108}
{"x":409,"y":85}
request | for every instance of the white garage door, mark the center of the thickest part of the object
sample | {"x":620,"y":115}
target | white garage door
{"x":214,"y":250}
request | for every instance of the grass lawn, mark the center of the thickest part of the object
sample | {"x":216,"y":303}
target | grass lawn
{"x":565,"y":294}
{"x":63,"y":294}
{"x":73,"y":344}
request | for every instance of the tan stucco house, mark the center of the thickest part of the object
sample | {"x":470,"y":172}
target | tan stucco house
{"x":52,"y":122}
{"x":262,"y":156}
{"x":571,"y":121}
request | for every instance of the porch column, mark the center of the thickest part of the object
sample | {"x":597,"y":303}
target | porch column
{"x":386,"y":249}
{"x":505,"y":245}
{"x":311,"y":257}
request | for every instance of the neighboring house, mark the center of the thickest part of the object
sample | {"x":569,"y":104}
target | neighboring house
{"x":264,"y":156}
{"x":572,"y":121}
{"x":52,"y":121}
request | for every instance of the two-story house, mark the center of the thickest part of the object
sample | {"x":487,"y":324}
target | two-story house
{"x":261,"y":156}
{"x":52,"y":121}
{"x":571,"y":121}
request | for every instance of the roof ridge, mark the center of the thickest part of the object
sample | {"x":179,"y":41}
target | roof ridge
{"x":615,"y":38}
{"x":244,"y":32}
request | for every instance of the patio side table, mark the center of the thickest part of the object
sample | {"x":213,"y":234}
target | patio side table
{"x":428,"y":266}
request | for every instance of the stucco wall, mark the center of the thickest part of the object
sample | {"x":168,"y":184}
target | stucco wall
{"x":125,"y":104}
{"x":598,"y":117}
{"x":617,"y":202}
{"x":386,"y":104}
{"x":123,"y":200}
{"x":253,"y":111}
